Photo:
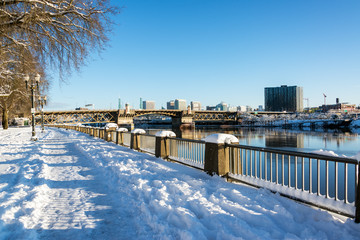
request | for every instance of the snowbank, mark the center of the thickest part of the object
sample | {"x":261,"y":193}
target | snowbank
{"x":221,"y":138}
{"x":69,"y":185}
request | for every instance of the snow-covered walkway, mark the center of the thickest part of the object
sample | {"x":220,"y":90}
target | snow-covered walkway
{"x":68,"y":185}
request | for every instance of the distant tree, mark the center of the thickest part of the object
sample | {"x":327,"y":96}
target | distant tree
{"x":59,"y":33}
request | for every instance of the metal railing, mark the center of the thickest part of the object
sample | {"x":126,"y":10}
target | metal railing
{"x":147,"y":143}
{"x":326,"y":181}
{"x":127,"y":139}
{"x":190,"y":152}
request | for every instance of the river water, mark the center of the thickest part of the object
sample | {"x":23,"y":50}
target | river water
{"x":341,"y":143}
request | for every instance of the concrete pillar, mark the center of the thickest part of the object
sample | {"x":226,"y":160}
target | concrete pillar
{"x":162,"y":143}
{"x":109,"y":130}
{"x":135,"y":138}
{"x":135,"y":141}
{"x":108,"y":135}
{"x":217,"y":159}
{"x":120,"y":136}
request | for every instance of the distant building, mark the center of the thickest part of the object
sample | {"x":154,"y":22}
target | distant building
{"x":338,"y":107}
{"x":148,"y":105}
{"x":170,"y":105}
{"x":222,"y":106}
{"x":180,"y":104}
{"x":261,"y":108}
{"x":210,"y":108}
{"x":241,"y":108}
{"x":284,"y":98}
{"x":81,"y":108}
{"x":232,"y":109}
{"x":248,"y":108}
{"x":141,"y":104}
{"x":195,"y":106}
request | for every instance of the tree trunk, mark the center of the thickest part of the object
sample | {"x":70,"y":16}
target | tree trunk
{"x":5,"y":118}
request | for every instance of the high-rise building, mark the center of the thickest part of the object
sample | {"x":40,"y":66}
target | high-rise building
{"x":195,"y":106}
{"x":222,"y":106}
{"x":170,"y":104}
{"x":180,"y":104}
{"x":284,"y":98}
{"x":148,"y":105}
{"x":141,"y":104}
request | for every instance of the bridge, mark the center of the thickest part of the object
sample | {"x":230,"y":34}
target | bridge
{"x":126,"y":116}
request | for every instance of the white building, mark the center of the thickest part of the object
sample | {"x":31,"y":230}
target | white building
{"x":195,"y":106}
{"x":149,"y":105}
{"x":241,"y":108}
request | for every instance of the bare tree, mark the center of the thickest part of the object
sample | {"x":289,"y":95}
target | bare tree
{"x":59,"y":33}
{"x":14,"y":64}
{"x":36,"y":34}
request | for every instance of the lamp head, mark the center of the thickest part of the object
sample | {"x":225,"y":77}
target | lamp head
{"x":37,"y":78}
{"x":26,"y":79}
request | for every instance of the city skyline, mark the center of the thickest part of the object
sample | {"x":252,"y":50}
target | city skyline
{"x":212,"y":52}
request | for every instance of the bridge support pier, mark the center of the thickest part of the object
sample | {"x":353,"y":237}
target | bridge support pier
{"x":182,"y":122}
{"x":126,"y":123}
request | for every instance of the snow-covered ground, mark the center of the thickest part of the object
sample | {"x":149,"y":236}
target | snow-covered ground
{"x":68,"y":185}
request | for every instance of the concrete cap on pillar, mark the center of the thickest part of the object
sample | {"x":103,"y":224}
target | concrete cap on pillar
{"x":138,"y":131}
{"x":221,"y":138}
{"x":164,"y":133}
{"x":111,"y":126}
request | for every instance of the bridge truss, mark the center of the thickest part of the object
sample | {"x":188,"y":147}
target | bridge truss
{"x":116,"y":116}
{"x":80,"y":116}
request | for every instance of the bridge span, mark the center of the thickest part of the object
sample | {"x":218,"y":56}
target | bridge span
{"x":126,"y":117}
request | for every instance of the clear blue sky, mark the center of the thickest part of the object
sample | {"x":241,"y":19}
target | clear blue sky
{"x":212,"y":51}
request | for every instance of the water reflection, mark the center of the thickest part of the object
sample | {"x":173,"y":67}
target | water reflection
{"x":342,"y":143}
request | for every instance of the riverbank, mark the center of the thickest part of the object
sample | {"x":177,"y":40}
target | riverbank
{"x":68,"y":185}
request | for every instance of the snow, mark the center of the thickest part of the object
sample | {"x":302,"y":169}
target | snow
{"x":68,"y":185}
{"x":122,"y":130}
{"x":221,"y":138}
{"x":138,"y":131}
{"x":165,"y":133}
{"x":111,"y":125}
{"x":333,"y":154}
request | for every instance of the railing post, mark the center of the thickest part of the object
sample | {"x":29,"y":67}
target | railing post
{"x":135,"y":138}
{"x":108,"y":135}
{"x":120,"y":136}
{"x":135,"y":141}
{"x":216,"y":157}
{"x":102,"y":133}
{"x":162,"y":143}
{"x":357,"y":200}
{"x":109,"y":129}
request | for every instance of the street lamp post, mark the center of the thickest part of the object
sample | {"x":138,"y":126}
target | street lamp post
{"x":33,"y":83}
{"x":42,"y":102}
